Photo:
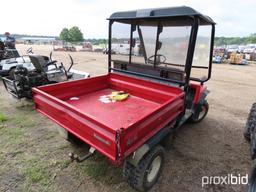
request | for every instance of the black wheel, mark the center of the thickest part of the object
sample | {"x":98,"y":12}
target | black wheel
{"x":252,"y":182}
{"x":247,"y":135}
{"x":11,"y":73}
{"x":250,"y":123}
{"x":146,"y":173}
{"x":202,"y":113}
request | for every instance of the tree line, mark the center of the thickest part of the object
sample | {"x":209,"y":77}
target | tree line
{"x":74,"y":35}
{"x":251,"y":39}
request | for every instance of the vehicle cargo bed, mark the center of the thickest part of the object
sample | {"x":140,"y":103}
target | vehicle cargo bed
{"x":114,"y":114}
{"x":115,"y":128}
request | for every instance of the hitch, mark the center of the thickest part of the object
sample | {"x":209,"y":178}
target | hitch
{"x":75,"y":157}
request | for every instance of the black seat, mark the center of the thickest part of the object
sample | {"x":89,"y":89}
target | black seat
{"x":158,"y":71}
{"x":12,"y":53}
{"x":38,"y":62}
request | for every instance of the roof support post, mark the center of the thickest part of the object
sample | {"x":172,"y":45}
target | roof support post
{"x":109,"y":44}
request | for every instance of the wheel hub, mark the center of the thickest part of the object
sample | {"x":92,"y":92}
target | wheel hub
{"x":154,"y":169}
{"x":202,"y":112}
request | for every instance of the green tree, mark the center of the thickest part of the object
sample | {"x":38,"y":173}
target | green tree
{"x":72,"y":35}
{"x":252,"y":38}
{"x":75,"y":34}
{"x":235,"y":40}
{"x":64,"y":35}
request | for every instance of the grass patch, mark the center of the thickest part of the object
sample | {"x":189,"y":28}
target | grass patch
{"x":2,"y":117}
{"x":61,"y":164}
{"x":27,"y":106}
{"x":14,"y":133}
{"x":35,"y":174}
{"x":62,"y":147}
{"x":38,"y":172}
{"x":25,"y":121}
{"x":2,"y":157}
{"x":16,"y":152}
{"x":11,"y":136}
{"x":64,"y":163}
{"x":100,"y":169}
{"x":2,"y":126}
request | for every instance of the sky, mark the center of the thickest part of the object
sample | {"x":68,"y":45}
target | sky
{"x":49,"y":17}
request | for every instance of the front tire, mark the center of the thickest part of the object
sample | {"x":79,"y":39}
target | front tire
{"x":146,"y":173}
{"x":202,"y":113}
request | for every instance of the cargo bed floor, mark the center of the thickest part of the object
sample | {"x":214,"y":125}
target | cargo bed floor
{"x":119,"y":114}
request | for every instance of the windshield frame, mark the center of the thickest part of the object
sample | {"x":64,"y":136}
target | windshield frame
{"x":195,"y":23}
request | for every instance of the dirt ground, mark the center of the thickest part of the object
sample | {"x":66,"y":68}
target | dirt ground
{"x":33,"y":157}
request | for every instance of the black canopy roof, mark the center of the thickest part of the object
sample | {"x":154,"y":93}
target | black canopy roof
{"x":176,"y":12}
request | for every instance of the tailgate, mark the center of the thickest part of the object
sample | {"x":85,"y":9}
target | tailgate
{"x":86,"y":128}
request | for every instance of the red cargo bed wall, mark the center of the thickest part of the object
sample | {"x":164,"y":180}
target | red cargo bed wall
{"x":137,"y":87}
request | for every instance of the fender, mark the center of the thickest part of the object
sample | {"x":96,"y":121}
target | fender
{"x":9,"y":66}
{"x":12,"y":63}
{"x":203,"y":96}
{"x":197,"y":107}
{"x":137,"y":155}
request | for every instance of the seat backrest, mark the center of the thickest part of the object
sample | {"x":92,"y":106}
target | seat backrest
{"x":38,"y":62}
{"x":12,"y":53}
{"x":159,"y":71}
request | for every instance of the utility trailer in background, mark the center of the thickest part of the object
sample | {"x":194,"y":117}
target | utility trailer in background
{"x":165,"y":84}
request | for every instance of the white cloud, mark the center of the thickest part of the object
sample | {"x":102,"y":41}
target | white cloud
{"x":48,"y":17}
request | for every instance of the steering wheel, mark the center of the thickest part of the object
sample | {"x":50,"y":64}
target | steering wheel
{"x":159,"y":59}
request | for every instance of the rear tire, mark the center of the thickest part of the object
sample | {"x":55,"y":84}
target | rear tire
{"x":202,"y":114}
{"x":247,"y":136}
{"x":146,"y":173}
{"x":250,"y":123}
{"x":252,"y":182}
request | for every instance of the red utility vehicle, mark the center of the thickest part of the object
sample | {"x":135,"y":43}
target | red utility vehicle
{"x":164,"y":69}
